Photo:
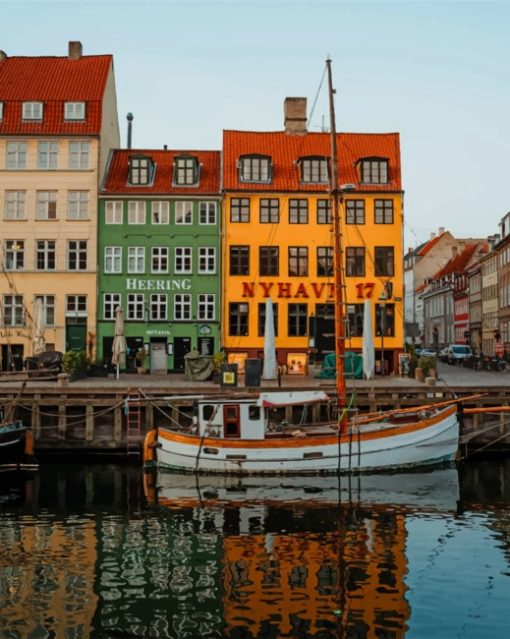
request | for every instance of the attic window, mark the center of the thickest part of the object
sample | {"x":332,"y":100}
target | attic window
{"x":255,"y":168}
{"x":32,"y":110}
{"x":314,"y":170}
{"x":140,"y":170}
{"x":186,"y":171}
{"x":374,"y":171}
{"x":74,"y":111}
{"x":1,"y":111}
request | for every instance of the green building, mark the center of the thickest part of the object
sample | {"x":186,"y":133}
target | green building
{"x":159,"y":256}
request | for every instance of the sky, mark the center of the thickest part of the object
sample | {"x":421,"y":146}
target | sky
{"x":438,"y":73}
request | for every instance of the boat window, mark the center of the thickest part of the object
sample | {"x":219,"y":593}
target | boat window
{"x":207,"y":412}
{"x":254,"y":413}
{"x":316,"y":455}
{"x":238,"y":457}
{"x":211,"y":451}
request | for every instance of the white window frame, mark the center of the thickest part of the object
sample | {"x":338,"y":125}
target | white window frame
{"x":136,"y":259}
{"x":77,"y":250}
{"x":184,"y":212}
{"x":14,"y":255}
{"x":136,"y":307}
{"x":76,"y":306}
{"x":13,"y":310}
{"x":14,"y":205}
{"x":111,"y":301}
{"x":113,"y":212}
{"x":49,"y":305}
{"x":113,"y":259}
{"x":46,"y":249}
{"x":207,"y":213}
{"x":74,"y":111}
{"x":182,"y":307}
{"x":79,"y":155}
{"x":47,"y":155}
{"x":136,"y":211}
{"x":183,"y":259}
{"x":207,"y":259}
{"x":160,"y":212}
{"x":186,"y":171}
{"x":16,"y":155}
{"x":207,"y":307}
{"x":159,"y":259}
{"x":1,"y":111}
{"x":159,"y":307}
{"x":46,"y":205}
{"x":32,"y":111}
{"x":77,"y":205}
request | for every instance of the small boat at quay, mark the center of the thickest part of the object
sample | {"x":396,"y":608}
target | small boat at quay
{"x":16,"y":447}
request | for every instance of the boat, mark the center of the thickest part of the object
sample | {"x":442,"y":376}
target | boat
{"x":16,"y":447}
{"x":238,"y":435}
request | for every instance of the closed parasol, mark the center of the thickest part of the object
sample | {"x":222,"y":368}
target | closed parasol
{"x":119,"y":341}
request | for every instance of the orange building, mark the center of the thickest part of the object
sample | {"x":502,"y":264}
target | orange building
{"x":278,"y":239}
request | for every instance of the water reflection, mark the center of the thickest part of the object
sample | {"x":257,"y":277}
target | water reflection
{"x":105,"y":551}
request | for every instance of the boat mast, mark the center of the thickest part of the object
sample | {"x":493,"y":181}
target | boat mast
{"x":338,"y":272}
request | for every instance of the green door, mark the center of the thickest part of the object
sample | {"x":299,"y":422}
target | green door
{"x":76,"y":337}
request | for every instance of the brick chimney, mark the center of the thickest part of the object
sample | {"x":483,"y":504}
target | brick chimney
{"x":75,"y":49}
{"x":294,"y":110}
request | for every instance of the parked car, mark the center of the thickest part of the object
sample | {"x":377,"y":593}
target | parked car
{"x":428,"y":352}
{"x":443,"y":354}
{"x":458,"y":354}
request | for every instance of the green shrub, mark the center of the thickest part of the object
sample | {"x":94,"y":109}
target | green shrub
{"x":75,"y":362}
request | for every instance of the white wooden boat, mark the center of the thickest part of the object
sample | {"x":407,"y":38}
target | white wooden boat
{"x":239,"y":436}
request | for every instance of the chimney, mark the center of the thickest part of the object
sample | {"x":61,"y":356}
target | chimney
{"x":3,"y":55}
{"x":294,"y":110}
{"x":129,"y":118}
{"x":75,"y":50}
{"x":432,"y":236}
{"x":441,"y":230}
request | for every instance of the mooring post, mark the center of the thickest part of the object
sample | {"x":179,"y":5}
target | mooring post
{"x":117,"y":421}
{"x":89,"y":423}
{"x":36,"y":417}
{"x":62,"y":417}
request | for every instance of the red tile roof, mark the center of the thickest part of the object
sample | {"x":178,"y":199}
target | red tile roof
{"x":428,"y":246}
{"x":459,"y":262}
{"x":116,"y":180}
{"x":53,"y":81}
{"x":285,"y":149}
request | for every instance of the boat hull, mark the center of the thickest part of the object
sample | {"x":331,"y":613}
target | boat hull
{"x":384,"y":446}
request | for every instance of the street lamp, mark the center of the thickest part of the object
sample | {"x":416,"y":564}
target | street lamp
{"x":382,"y":326}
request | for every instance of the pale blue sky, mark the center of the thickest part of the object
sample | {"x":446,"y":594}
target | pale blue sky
{"x":436,"y":72}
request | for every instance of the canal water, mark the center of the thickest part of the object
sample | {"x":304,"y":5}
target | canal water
{"x":105,"y":551}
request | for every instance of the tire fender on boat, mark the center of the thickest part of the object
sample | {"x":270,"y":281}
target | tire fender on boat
{"x":149,"y":446}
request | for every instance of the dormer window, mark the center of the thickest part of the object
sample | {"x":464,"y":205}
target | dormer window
{"x":255,"y":168}
{"x":186,"y":171}
{"x":314,"y":170}
{"x":32,"y":110}
{"x":140,"y":170}
{"x":74,"y":111}
{"x":374,"y":171}
{"x":1,"y":111}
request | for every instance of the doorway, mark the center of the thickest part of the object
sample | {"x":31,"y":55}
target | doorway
{"x":76,"y":335}
{"x":158,"y":356}
{"x":182,"y":346}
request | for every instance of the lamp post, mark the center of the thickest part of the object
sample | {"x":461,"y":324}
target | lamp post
{"x":382,"y":326}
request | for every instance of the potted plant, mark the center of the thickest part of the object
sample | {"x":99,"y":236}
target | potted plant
{"x":219,"y":359}
{"x":75,"y":363}
{"x":427,"y":365}
{"x":140,"y":360}
{"x":98,"y":368}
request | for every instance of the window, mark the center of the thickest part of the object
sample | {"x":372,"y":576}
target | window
{"x":48,"y":305}
{"x":110,"y":303}
{"x":136,"y":259}
{"x":46,"y":205}
{"x":77,"y":205}
{"x":79,"y":155}
{"x":159,"y":259}
{"x":262,"y":319}
{"x":383,"y":212}
{"x":45,"y":255}
{"x":384,"y":260}
{"x":240,"y":209}
{"x":159,"y":307}
{"x":76,"y":305}
{"x":13,"y":310}
{"x":113,"y":259}
{"x":297,"y":320}
{"x":298,"y":211}
{"x":207,"y":213}
{"x":32,"y":110}
{"x":183,"y":259}
{"x":207,"y":259}
{"x":269,"y":260}
{"x":14,"y":205}
{"x":374,"y":171}
{"x":16,"y":155}
{"x":1,"y":111}
{"x":206,"y":307}
{"x":135,"y":306}
{"x":314,"y":170}
{"x":113,"y":212}
{"x":140,"y":170}
{"x":325,"y":261}
{"x":186,"y":171}
{"x":239,"y":260}
{"x":14,"y":255}
{"x":255,"y":168}
{"x":324,"y":212}
{"x":238,"y":318}
{"x":184,"y":212}
{"x":355,"y":320}
{"x":77,"y":255}
{"x":355,"y":211}
{"x":160,"y":212}
{"x":182,"y":306}
{"x":269,"y":211}
{"x":385,"y":320}
{"x":136,"y":212}
{"x":47,"y":155}
{"x":74,"y":111}
{"x":355,"y":261}
{"x":298,"y":261}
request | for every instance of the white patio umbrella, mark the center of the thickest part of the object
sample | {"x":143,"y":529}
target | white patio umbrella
{"x":119,"y":341}
{"x":39,"y":325}
{"x":368,"y":342}
{"x":270,"y":370}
